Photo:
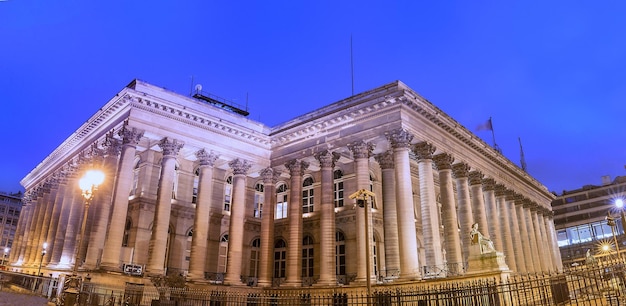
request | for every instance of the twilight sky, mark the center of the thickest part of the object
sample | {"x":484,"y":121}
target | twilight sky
{"x":552,"y":73}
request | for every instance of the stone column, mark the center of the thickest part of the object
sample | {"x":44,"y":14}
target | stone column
{"x":430,"y":211}
{"x":524,"y":233}
{"x":554,"y":247}
{"x":56,"y":253}
{"x":452,"y":239}
{"x":100,"y":210}
{"x":478,"y":202}
{"x":197,"y":262}
{"x":294,"y":248}
{"x":493,"y":220}
{"x":29,"y":201}
{"x":57,"y":203}
{"x":532,"y":237}
{"x":237,"y":222}
{"x":266,"y":256}
{"x":361,"y":152}
{"x":17,"y":250}
{"x":520,"y":262}
{"x":461,"y":171}
{"x":111,"y":255}
{"x":505,"y":227}
{"x":72,"y":232}
{"x":327,"y":161}
{"x":34,"y":246}
{"x":400,"y":141}
{"x":163,"y":209}
{"x":542,"y":242}
{"x":390,"y":213}
{"x":48,"y":201}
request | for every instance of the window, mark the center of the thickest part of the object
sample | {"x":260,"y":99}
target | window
{"x":228,"y":193}
{"x":254,"y":258}
{"x":307,"y":257}
{"x":196,"y":182}
{"x":223,"y":254}
{"x":126,"y":237}
{"x":280,"y":258}
{"x":188,"y":247}
{"x":340,"y":253}
{"x":258,"y":200}
{"x":281,"y":201}
{"x":133,"y":189}
{"x":307,"y":195}
{"x":338,"y":188}
{"x":175,"y":183}
{"x":371,"y":182}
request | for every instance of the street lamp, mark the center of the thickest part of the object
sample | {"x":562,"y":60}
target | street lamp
{"x":619,"y":203}
{"x":43,"y":253}
{"x":610,"y":221}
{"x":361,"y":196}
{"x":88,"y":184}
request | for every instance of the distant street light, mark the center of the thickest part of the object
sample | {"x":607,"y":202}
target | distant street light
{"x":361,"y":196}
{"x":43,"y":253}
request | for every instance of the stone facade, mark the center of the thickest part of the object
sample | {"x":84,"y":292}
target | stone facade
{"x":194,"y":188}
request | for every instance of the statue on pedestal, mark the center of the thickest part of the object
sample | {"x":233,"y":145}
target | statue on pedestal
{"x":486,"y":245}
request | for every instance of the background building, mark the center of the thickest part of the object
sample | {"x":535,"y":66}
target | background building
{"x":194,"y":187}
{"x":580,"y":218}
{"x":10,"y":208}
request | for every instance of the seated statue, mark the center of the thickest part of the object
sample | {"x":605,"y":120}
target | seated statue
{"x":486,"y":245}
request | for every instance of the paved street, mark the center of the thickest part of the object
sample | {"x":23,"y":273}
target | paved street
{"x":10,"y":298}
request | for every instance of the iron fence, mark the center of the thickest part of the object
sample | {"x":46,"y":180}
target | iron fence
{"x":601,"y":284}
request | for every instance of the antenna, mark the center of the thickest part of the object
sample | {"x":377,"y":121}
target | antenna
{"x":351,"y":65}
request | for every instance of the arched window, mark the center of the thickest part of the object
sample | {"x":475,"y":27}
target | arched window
{"x":338,"y":188}
{"x":307,"y":257}
{"x":254,"y":258}
{"x":228,"y":192}
{"x":281,"y":201}
{"x":196,"y":182}
{"x":340,"y":253}
{"x":307,"y":195}
{"x":223,"y":254}
{"x":258,"y":200}
{"x":280,"y":258}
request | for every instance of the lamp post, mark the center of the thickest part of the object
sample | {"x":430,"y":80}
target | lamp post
{"x":4,"y":258}
{"x":361,"y":196}
{"x":610,"y":221}
{"x":43,"y":253}
{"x":88,"y":184}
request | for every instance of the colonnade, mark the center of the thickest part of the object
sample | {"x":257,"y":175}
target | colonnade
{"x":521,"y":229}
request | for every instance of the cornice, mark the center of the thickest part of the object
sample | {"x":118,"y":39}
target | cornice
{"x":196,"y":119}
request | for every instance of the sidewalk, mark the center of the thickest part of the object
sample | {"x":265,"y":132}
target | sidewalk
{"x":12,"y":298}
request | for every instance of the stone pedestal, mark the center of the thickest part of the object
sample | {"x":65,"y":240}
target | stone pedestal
{"x":485,"y":262}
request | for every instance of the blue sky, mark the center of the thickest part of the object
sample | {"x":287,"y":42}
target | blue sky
{"x":552,"y":73}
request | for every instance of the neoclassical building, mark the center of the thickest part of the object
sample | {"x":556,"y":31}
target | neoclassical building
{"x":193,"y":186}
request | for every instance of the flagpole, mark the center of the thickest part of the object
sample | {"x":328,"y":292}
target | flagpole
{"x":521,"y":153}
{"x":493,"y":135}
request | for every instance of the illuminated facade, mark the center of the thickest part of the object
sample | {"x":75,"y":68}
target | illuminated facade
{"x":195,"y":187}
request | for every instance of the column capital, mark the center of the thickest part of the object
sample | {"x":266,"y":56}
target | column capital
{"x":296,"y":167}
{"x":361,"y":149}
{"x":443,"y":161}
{"x":424,"y":150}
{"x":385,"y":160}
{"x":239,"y":166}
{"x":112,"y":146}
{"x":170,"y":147}
{"x":269,"y":175}
{"x":130,"y":135}
{"x":460,"y":170}
{"x":327,"y":158}
{"x":489,"y":184}
{"x":206,"y":158}
{"x":519,"y":199}
{"x":475,"y":177}
{"x":399,"y":138}
{"x":510,"y":195}
{"x":500,"y":190}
